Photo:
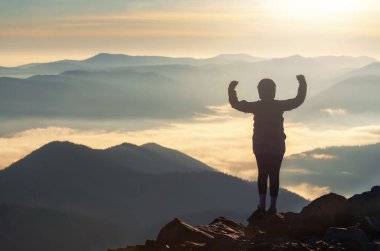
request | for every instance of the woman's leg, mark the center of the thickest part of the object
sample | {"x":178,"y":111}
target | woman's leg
{"x":262,"y":180}
{"x":274,"y":178}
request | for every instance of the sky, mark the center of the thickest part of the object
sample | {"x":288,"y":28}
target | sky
{"x":48,"y":30}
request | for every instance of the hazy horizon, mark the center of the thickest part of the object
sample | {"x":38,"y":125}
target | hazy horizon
{"x":90,"y":55}
{"x":264,"y":57}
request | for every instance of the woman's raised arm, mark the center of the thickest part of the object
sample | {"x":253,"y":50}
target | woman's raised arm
{"x":243,"y":105}
{"x":293,"y":103}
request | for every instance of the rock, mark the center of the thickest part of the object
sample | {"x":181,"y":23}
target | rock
{"x":377,"y":245}
{"x":220,"y":234}
{"x":157,"y":246}
{"x":178,"y":231}
{"x":227,"y":234}
{"x":361,"y":205}
{"x":150,"y":245}
{"x":352,"y":239}
{"x":324,"y":208}
{"x":321,"y":245}
{"x":222,"y":228}
{"x":266,"y":224}
{"x":371,"y":225}
{"x":296,"y":226}
{"x":189,"y":246}
{"x":292,"y":246}
{"x":320,"y":214}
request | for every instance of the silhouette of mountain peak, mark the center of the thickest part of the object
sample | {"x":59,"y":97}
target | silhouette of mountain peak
{"x":123,"y":147}
{"x":61,"y":145}
{"x":58,"y":150}
{"x":105,"y":56}
{"x":296,"y":57}
{"x":237,"y":56}
{"x":176,"y":156}
{"x":152,"y":145}
{"x":54,"y":156}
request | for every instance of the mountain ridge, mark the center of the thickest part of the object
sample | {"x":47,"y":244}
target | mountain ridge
{"x":80,"y":180}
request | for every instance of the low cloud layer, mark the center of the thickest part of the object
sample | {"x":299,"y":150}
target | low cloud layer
{"x":334,"y":112}
{"x":222,"y":140}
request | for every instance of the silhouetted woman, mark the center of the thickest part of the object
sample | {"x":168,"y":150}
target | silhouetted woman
{"x":268,"y":133}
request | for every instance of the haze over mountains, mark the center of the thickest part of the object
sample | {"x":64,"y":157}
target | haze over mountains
{"x":104,"y":61}
{"x":112,"y":86}
{"x":354,"y":95}
{"x":177,"y":100}
{"x":126,"y":190}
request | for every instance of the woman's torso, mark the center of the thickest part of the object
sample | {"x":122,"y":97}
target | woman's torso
{"x":268,"y":128}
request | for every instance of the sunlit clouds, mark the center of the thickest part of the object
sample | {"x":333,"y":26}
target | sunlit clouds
{"x":222,"y":140}
{"x":319,"y":156}
{"x":334,"y":112}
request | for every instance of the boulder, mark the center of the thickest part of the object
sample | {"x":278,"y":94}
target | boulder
{"x":178,"y":231}
{"x":222,"y":228}
{"x":227,"y":234}
{"x":292,"y":246}
{"x":320,"y":214}
{"x":351,"y":238}
{"x":266,"y":224}
{"x":324,"y":208}
{"x":150,"y":245}
{"x":361,"y":205}
{"x":371,"y":225}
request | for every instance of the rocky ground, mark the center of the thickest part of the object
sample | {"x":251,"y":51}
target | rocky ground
{"x":330,"y":222}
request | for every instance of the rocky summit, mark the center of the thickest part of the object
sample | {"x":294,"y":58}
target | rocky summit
{"x":330,"y":222}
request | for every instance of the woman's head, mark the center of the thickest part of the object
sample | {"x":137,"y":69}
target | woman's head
{"x":267,"y":89}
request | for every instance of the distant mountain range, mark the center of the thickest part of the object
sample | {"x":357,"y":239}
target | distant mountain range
{"x":97,"y":95}
{"x":105,"y":61}
{"x":109,"y":86}
{"x":370,"y":69}
{"x":124,"y":190}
